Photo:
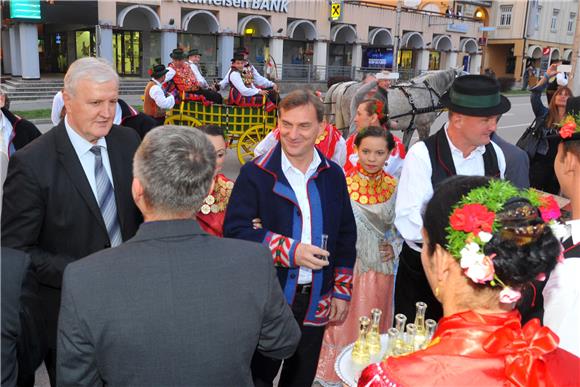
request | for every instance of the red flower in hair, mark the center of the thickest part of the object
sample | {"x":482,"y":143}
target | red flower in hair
{"x":150,"y":72}
{"x":472,"y":218}
{"x":379,"y":108}
{"x":549,"y":208}
{"x":568,"y":130}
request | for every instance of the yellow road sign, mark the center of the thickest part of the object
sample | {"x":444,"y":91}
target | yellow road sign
{"x":335,"y":11}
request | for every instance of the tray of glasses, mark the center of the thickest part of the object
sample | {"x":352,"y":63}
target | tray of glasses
{"x":348,"y":371}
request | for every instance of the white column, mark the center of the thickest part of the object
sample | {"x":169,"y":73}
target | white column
{"x":422,"y":63}
{"x":106,"y":43}
{"x":277,"y":52}
{"x":319,"y":59}
{"x":475,"y":65}
{"x":451,"y":60}
{"x":6,"y":49}
{"x":168,"y":43}
{"x":29,"y":51}
{"x":357,"y":55}
{"x":15,"y":61}
{"x":226,"y":53}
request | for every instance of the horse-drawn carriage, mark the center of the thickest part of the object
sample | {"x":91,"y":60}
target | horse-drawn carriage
{"x":244,"y":126}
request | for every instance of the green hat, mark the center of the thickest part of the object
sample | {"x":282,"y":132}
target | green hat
{"x":157,"y":71}
{"x":194,"y":51}
{"x":475,"y":95}
{"x":177,"y":53}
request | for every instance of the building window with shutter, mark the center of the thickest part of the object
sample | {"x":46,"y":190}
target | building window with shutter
{"x":571,"y":23}
{"x":505,"y":15}
{"x":554,"y":24}
{"x":538,"y":17}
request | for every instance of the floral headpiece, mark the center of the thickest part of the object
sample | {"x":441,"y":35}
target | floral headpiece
{"x":569,"y":125}
{"x":474,"y":221}
{"x":378,"y":109}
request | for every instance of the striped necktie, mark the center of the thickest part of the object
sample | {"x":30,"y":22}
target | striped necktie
{"x":106,"y":199}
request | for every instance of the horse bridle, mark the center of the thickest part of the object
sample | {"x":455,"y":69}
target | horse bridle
{"x":414,"y":109}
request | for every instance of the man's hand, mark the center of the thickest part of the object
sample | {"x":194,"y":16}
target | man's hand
{"x":306,"y":256}
{"x":552,"y":70}
{"x":263,"y":92}
{"x":338,"y":310}
{"x":386,"y":251}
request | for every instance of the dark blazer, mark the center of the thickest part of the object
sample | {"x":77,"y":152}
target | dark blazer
{"x":131,"y":118}
{"x":24,"y":130}
{"x":14,"y":268}
{"x":173,"y":306}
{"x":50,"y":211}
{"x":517,"y":162}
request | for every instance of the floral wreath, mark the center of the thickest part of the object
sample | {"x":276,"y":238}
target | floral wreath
{"x":472,"y":224}
{"x":378,"y":109}
{"x":569,"y":125}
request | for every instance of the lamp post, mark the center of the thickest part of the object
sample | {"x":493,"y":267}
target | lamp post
{"x":396,"y":42}
{"x":575,"y":55}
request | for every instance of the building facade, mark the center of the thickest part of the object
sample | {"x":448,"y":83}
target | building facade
{"x":290,"y":37}
{"x":529,"y":32}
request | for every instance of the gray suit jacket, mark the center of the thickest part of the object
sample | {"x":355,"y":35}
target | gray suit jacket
{"x":517,"y":163}
{"x":172,"y":306}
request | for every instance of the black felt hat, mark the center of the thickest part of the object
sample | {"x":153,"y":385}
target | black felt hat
{"x":475,"y":95}
{"x":177,"y":53}
{"x":238,"y":56}
{"x":158,"y":71}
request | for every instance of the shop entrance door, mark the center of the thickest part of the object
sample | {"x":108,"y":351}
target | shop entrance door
{"x":128,"y":52}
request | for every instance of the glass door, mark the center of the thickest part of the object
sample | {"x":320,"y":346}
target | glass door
{"x":128,"y":52}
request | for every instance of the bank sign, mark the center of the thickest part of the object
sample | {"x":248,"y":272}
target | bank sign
{"x":261,"y":5}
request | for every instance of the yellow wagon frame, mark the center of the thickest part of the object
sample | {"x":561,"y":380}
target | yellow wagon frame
{"x":245,"y":127}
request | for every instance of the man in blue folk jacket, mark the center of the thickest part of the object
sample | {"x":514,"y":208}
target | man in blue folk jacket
{"x":287,"y":199}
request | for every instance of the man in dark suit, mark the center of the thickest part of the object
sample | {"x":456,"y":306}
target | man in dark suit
{"x":517,"y":162}
{"x":68,"y":194}
{"x":173,"y":306}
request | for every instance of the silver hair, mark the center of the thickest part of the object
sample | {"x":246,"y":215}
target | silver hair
{"x":94,"y":69}
{"x":176,"y":166}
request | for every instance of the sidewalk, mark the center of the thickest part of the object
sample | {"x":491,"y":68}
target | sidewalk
{"x":47,"y":103}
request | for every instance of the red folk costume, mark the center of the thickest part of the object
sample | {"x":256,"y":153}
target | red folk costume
{"x":184,"y":81}
{"x":236,"y":98}
{"x":213,"y":211}
{"x":472,"y":349}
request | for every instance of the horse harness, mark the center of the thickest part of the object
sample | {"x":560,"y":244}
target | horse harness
{"x":414,"y":109}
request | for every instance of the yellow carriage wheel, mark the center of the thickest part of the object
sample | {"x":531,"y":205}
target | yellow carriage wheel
{"x":248,"y":141}
{"x":182,"y":120}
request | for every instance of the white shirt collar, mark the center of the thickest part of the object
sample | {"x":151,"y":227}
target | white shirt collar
{"x":287,"y":165}
{"x":575,"y":230}
{"x":80,"y":144}
{"x":477,"y":151}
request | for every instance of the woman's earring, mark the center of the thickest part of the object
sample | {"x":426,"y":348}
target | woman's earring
{"x":436,"y":291}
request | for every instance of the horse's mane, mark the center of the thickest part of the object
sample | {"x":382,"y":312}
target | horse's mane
{"x":432,"y":76}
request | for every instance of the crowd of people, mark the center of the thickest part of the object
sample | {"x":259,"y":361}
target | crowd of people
{"x":129,"y":258}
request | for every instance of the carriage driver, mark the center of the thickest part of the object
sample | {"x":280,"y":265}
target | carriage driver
{"x":242,"y":89}
{"x":461,"y":147}
{"x":156,"y":101}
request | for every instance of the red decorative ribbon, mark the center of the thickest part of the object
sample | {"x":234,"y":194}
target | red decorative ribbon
{"x":523,"y":349}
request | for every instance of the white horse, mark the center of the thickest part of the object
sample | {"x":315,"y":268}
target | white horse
{"x":412,"y":105}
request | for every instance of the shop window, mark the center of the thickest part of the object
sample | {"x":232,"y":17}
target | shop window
{"x":405,"y":59}
{"x":505,"y":16}
{"x":85,"y":45}
{"x":207,"y":44}
{"x":554,"y":24}
{"x":571,"y":20}
{"x":434,"y":60}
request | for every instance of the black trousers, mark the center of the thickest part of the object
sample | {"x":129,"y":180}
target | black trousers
{"x":542,"y":174}
{"x":300,"y":369}
{"x":411,"y":286}
{"x":210,"y":95}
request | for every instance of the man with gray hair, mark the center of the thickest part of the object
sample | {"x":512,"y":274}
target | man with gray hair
{"x":68,"y":194}
{"x":173,"y":306}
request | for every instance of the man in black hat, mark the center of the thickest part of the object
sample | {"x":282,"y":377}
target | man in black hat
{"x":252,"y":74}
{"x":156,"y":101}
{"x":194,"y":56}
{"x":242,"y":89}
{"x":461,"y":147}
{"x":562,"y":291}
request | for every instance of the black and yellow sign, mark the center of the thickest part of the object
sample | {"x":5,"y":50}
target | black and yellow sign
{"x":336,"y":10}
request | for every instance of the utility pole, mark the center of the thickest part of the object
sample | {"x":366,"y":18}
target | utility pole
{"x":575,"y":54}
{"x":396,"y":42}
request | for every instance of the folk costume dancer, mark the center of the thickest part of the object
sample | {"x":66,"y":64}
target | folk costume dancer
{"x":242,"y":89}
{"x":461,"y":147}
{"x":194,"y":57}
{"x":182,"y":83}
{"x":156,"y":102}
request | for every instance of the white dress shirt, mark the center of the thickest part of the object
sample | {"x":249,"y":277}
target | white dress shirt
{"x":82,"y":148}
{"x":298,"y":182}
{"x":236,"y":79}
{"x":259,"y":80}
{"x":200,"y":79}
{"x":58,"y":105}
{"x":7,"y":132}
{"x":161,"y":100}
{"x":415,"y":189}
{"x":562,"y":298}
